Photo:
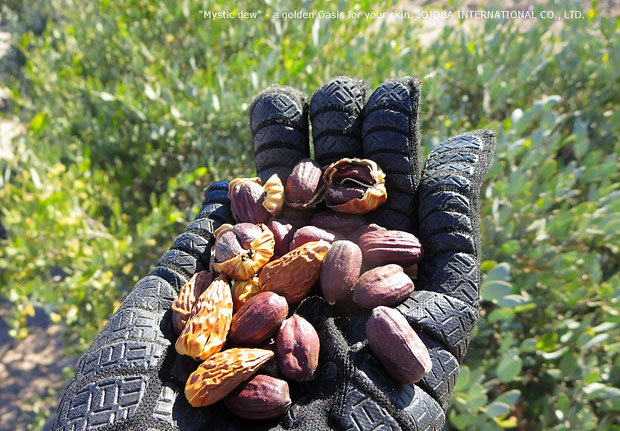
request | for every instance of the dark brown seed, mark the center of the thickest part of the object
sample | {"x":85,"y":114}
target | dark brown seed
{"x":257,"y":319}
{"x":313,"y":233}
{"x":297,"y":347}
{"x":227,"y":246}
{"x":397,"y":346}
{"x":270,"y":367}
{"x":246,"y":233}
{"x":338,"y":195}
{"x":332,"y":220}
{"x":297,"y":217}
{"x":412,"y":271}
{"x":356,"y":172}
{"x":340,"y":271}
{"x":262,"y":397}
{"x":283,"y":233}
{"x":246,"y":199}
{"x":357,"y":233}
{"x":384,"y":285}
{"x":391,"y":246}
{"x":305,"y":183}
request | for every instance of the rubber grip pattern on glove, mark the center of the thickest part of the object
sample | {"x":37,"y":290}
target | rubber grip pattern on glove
{"x":117,"y":381}
{"x":336,"y":112}
{"x":390,"y":137}
{"x":279,"y":122}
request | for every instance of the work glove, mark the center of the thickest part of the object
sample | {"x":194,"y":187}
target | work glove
{"x":131,"y":377}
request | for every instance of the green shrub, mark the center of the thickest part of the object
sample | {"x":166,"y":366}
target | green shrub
{"x":134,"y":107}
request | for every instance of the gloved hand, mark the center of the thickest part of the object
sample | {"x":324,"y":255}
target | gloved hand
{"x":131,"y":376}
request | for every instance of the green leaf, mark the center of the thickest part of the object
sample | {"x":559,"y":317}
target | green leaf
{"x":500,"y":272}
{"x":592,"y":377}
{"x":510,"y":398}
{"x":554,"y":355}
{"x":497,"y":409}
{"x":569,"y":364}
{"x":38,"y":122}
{"x":106,"y":96}
{"x":149,"y":92}
{"x":598,"y":339}
{"x":601,"y":391}
{"x":476,"y":398}
{"x":512,"y":301}
{"x":495,"y":290}
{"x":509,"y":368}
{"x":463,"y":380}
{"x":510,"y":422}
{"x":501,"y":315}
{"x":528,"y":345}
{"x":582,"y":143}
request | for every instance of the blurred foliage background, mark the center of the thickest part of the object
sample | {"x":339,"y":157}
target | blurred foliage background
{"x":132,"y":107}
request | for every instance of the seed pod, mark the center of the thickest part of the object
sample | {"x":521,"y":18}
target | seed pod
{"x":304,"y":186}
{"x":294,"y":274}
{"x":297,"y":217}
{"x":357,"y":233}
{"x":247,"y":262}
{"x":383,"y":285}
{"x":251,"y":202}
{"x":207,"y":327}
{"x":338,"y":195}
{"x":274,"y":195}
{"x":313,"y":233}
{"x":283,"y":233}
{"x":260,"y":398}
{"x":391,"y":246}
{"x":220,"y":374}
{"x":227,"y":247}
{"x":257,"y":319}
{"x":397,"y":346}
{"x":297,"y":347}
{"x":340,"y":271}
{"x":246,"y":200}
{"x":359,"y":172}
{"x":246,"y":233}
{"x":187,"y":298}
{"x":335,"y":221}
{"x":243,"y":290}
{"x":355,"y":186}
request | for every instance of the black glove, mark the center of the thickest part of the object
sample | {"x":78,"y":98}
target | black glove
{"x":131,"y":376}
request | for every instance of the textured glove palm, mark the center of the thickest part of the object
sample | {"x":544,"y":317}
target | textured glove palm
{"x":131,"y":376}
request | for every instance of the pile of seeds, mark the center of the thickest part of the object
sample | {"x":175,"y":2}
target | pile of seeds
{"x":235,"y":318}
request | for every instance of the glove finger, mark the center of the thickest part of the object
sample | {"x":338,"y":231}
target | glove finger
{"x":390,"y":137}
{"x":118,"y":380}
{"x":373,"y":398}
{"x":279,"y":123}
{"x":441,"y":317}
{"x":336,"y":116}
{"x":440,"y":381}
{"x":448,"y":212}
